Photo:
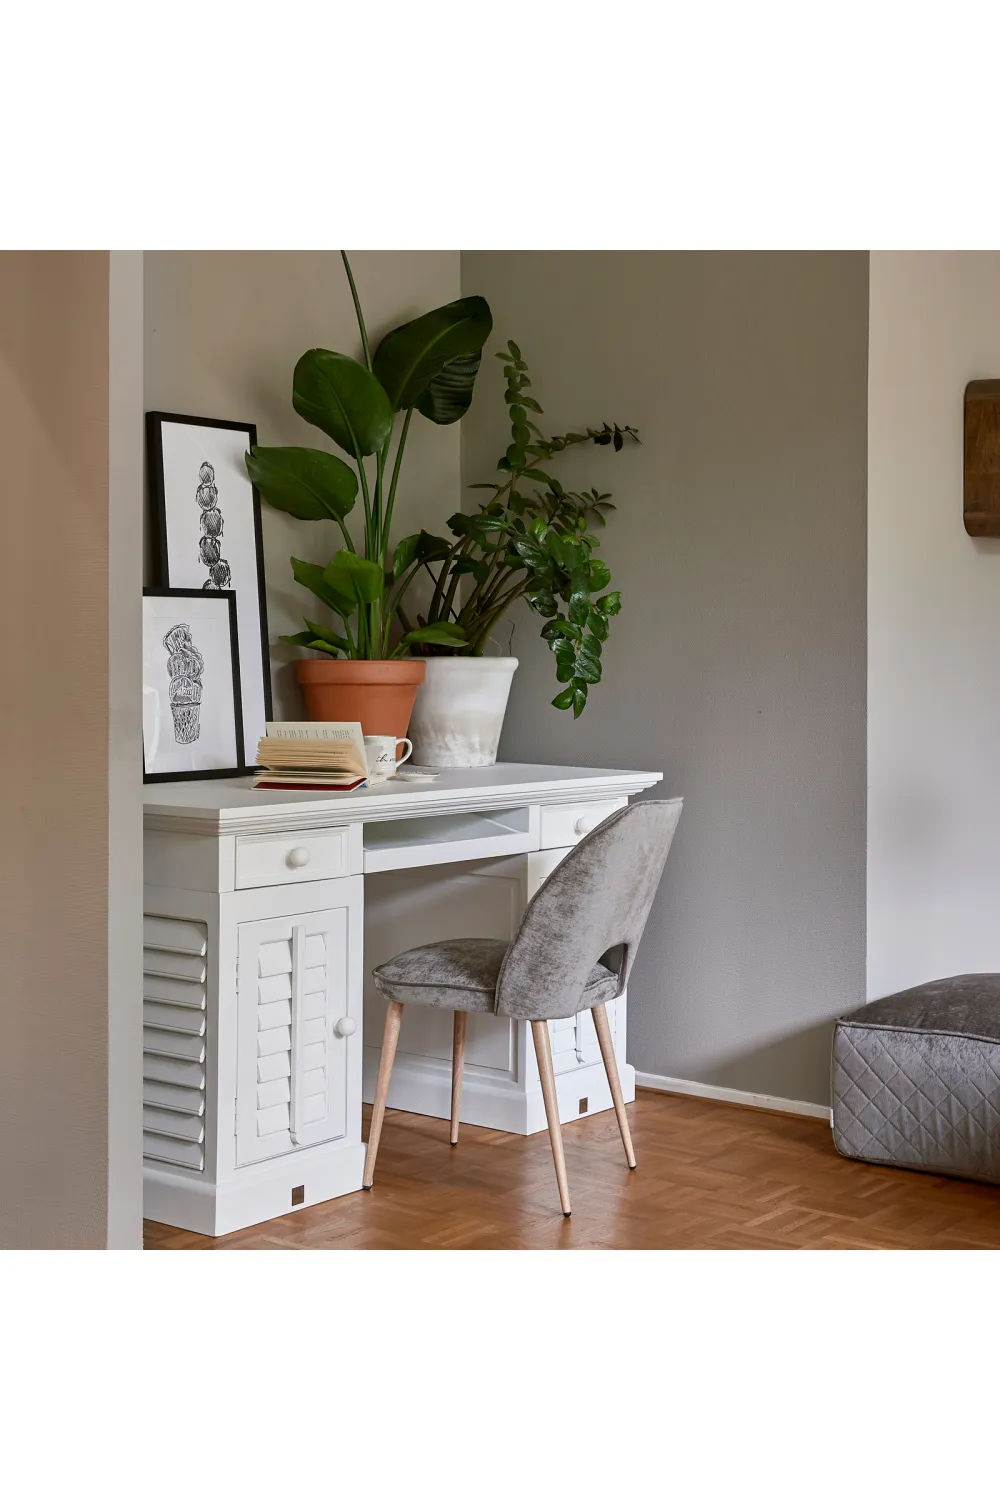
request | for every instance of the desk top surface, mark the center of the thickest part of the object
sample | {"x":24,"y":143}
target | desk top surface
{"x":232,"y":806}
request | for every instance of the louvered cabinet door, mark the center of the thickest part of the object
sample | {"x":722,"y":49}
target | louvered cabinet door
{"x":174,"y":1002}
{"x":292,"y":1001}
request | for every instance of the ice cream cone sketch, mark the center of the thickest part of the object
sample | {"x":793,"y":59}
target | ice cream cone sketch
{"x":212,"y":526}
{"x":185,"y":665}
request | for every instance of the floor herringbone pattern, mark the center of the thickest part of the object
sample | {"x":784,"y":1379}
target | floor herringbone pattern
{"x":711,"y":1177}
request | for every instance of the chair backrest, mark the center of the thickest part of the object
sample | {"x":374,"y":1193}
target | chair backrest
{"x":596,"y":901}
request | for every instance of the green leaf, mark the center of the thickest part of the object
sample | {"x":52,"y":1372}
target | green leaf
{"x":304,"y":482}
{"x":343,"y":399}
{"x":569,"y":555}
{"x":587,"y":668}
{"x":410,"y":357}
{"x":332,"y":639}
{"x":579,"y":697}
{"x":311,"y":577}
{"x":563,"y":699}
{"x":539,"y":476}
{"x":314,"y":643}
{"x":520,"y":433}
{"x":542,"y":602}
{"x":579,"y":609}
{"x":556,"y":628}
{"x":513,"y":349}
{"x":449,"y":395}
{"x":441,"y":634}
{"x":354,"y":577}
{"x":420,"y":547}
{"x":531,"y":552}
{"x":300,"y":638}
{"x":530,"y":403}
{"x":598,"y":623}
{"x":611,"y":604}
{"x":600,"y":575}
{"x":565,"y":654}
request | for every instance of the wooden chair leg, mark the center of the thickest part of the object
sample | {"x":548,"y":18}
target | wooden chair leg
{"x":393,"y":1016}
{"x":543,"y":1052}
{"x":457,"y":1066}
{"x":603,"y":1029}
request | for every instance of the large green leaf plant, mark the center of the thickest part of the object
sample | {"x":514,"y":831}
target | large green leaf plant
{"x":532,"y":539}
{"x":429,"y":366}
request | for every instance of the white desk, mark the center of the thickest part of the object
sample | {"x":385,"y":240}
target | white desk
{"x":265,"y":913}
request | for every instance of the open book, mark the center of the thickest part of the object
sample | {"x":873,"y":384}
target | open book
{"x":312,"y":756}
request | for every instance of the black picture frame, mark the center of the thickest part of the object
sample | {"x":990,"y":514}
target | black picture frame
{"x":166,"y":575}
{"x":241,"y":769}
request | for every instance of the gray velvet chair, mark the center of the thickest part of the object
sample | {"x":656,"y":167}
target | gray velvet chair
{"x":573,"y":951}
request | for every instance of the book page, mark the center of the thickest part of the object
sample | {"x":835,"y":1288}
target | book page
{"x":343,"y":744}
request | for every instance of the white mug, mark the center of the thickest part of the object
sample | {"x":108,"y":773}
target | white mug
{"x":380,"y":750}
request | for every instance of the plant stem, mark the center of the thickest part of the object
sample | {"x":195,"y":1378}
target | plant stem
{"x":395,"y":475}
{"x":484,"y":603}
{"x":449,"y":599}
{"x":350,"y":638}
{"x":345,"y":533}
{"x":357,"y":309}
{"x":490,"y":620}
{"x":378,"y":528}
{"x":366,"y":497}
{"x":443,"y":574}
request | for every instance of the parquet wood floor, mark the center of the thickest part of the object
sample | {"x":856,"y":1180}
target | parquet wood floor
{"x":710,"y":1176}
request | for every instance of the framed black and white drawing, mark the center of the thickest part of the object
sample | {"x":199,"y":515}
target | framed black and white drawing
{"x":207,"y":535}
{"x":192,"y":722}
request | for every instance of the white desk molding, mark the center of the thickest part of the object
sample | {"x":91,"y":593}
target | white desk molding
{"x":265,"y":914}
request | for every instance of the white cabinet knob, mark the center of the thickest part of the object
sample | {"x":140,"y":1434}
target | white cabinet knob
{"x":346,"y":1026}
{"x":583,"y":825}
{"x":297,"y":857}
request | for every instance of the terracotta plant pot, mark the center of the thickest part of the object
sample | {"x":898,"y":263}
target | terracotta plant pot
{"x":379,"y":694}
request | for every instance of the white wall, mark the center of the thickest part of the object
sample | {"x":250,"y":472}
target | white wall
{"x":933,"y":628}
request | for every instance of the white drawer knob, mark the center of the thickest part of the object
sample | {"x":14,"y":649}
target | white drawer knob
{"x":297,"y":857}
{"x":584,"y":825}
{"x":346,"y":1026}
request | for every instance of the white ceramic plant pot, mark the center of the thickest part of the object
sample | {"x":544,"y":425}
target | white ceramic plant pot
{"x":459,"y":711}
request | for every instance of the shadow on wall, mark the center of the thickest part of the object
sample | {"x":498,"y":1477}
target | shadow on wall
{"x":766,"y":1069}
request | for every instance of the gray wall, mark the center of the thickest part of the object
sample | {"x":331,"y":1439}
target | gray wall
{"x":737,"y":666}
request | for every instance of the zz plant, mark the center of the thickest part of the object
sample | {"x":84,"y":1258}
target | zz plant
{"x":427,"y":366}
{"x":532,"y":539}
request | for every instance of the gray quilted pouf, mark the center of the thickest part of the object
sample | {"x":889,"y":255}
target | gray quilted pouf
{"x":916,"y":1079}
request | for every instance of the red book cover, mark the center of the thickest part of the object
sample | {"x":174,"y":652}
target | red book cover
{"x":307,"y":786}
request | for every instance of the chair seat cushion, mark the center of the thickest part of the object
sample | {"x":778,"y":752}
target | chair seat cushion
{"x":462,"y":973}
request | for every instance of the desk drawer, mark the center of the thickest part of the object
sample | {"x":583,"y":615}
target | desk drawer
{"x":286,"y":858}
{"x":563,"y":826}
